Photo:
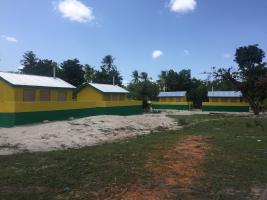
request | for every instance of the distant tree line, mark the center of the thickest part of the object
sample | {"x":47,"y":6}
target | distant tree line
{"x":72,"y":70}
{"x":250,"y":77}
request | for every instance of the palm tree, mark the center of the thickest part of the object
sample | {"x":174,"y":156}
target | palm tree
{"x":88,"y":73}
{"x":144,"y":76}
{"x":162,"y":80}
{"x":135,"y":76}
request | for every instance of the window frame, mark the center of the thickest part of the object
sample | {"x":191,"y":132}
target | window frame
{"x":42,"y":98}
{"x":31,"y":97}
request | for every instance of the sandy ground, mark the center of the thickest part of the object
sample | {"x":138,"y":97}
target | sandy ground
{"x":86,"y":131}
{"x":80,"y":132}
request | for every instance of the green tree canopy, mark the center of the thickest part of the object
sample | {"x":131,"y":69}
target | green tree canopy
{"x":72,"y":72}
{"x":35,"y":66}
{"x":143,"y":90}
{"x":135,"y":76}
{"x":250,"y":77}
{"x":89,"y":73}
{"x":107,"y":72}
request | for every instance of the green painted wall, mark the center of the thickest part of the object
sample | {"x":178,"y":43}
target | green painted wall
{"x":226,"y":108}
{"x":120,"y":110}
{"x":7,"y":119}
{"x":12,"y":119}
{"x":171,"y":107}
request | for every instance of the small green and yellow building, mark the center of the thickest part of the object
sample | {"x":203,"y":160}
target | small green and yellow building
{"x":110,"y":99}
{"x":176,"y":100}
{"x":26,"y":99}
{"x":225,"y":101}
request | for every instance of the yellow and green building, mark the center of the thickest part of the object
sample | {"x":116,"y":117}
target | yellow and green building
{"x":176,"y":100}
{"x":225,"y":101}
{"x":109,"y":99}
{"x":28,"y":99}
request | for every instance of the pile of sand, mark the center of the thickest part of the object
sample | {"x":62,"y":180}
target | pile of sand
{"x":80,"y":132}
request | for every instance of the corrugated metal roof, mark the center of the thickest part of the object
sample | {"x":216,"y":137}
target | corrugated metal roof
{"x":106,"y":88}
{"x":224,"y":94}
{"x":172,"y":94}
{"x":34,"y":81}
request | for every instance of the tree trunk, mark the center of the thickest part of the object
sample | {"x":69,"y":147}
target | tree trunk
{"x":256,"y":108}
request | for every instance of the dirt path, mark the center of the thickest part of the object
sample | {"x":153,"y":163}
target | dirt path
{"x":179,"y":172}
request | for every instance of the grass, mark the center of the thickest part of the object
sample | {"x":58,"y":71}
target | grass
{"x":236,"y":163}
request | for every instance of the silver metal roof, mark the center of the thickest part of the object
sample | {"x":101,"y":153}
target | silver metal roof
{"x":224,"y":94}
{"x":172,"y":94}
{"x":106,"y":88}
{"x":34,"y":81}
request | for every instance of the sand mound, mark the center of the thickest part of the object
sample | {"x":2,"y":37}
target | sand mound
{"x":80,"y":132}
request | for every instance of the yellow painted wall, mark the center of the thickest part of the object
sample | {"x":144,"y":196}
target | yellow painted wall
{"x":52,"y":105}
{"x":119,"y":103}
{"x":89,"y":94}
{"x":7,"y":95}
{"x":224,"y":99}
{"x":225,"y":104}
{"x":53,"y":94}
{"x":11,"y":100}
{"x":6,"y":92}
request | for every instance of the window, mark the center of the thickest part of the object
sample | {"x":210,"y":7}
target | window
{"x":107,"y":97}
{"x":122,"y":97}
{"x":178,"y":99}
{"x":62,"y":96}
{"x":28,"y":95}
{"x":44,"y":95}
{"x":115,"y":97}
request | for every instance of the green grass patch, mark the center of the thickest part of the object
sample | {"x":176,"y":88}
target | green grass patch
{"x":236,"y":163}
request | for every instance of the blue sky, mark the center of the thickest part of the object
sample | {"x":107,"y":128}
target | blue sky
{"x":147,"y":35}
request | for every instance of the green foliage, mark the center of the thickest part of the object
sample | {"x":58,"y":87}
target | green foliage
{"x":135,"y":76}
{"x":35,"y":66}
{"x":251,"y":76}
{"x":89,"y":73}
{"x":107,"y":72}
{"x":72,"y":72}
{"x":197,"y":93}
{"x":29,"y":61}
{"x":144,"y":89}
{"x":182,"y":81}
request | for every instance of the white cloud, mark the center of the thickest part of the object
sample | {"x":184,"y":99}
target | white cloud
{"x":157,"y":54}
{"x":182,"y":6}
{"x":227,"y":55}
{"x":75,"y":10}
{"x":9,"y":38}
{"x":186,"y":52}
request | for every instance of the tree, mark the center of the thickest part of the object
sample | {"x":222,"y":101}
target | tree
{"x":250,"y":77}
{"x":143,"y":90}
{"x":89,"y":73}
{"x":198,"y":92}
{"x":135,"y":76}
{"x":72,"y":72}
{"x":35,"y":66}
{"x":182,"y":81}
{"x":108,"y":71}
{"x":29,"y":62}
{"x":45,"y":67}
{"x":162,"y":80}
{"x":144,"y":76}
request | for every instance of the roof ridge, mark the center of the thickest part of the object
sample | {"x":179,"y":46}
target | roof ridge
{"x":17,"y":73}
